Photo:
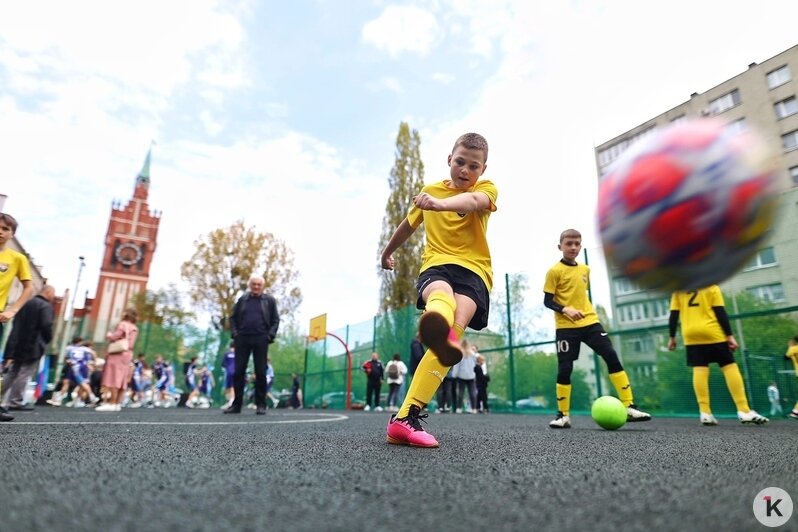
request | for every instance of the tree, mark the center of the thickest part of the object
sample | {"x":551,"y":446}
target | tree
{"x":407,"y":177}
{"x":223,"y":262}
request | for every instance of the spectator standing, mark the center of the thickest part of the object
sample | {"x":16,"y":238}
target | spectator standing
{"x":296,"y":391}
{"x":254,"y":326}
{"x":466,"y":379}
{"x":116,"y":373}
{"x":482,"y":379}
{"x":374,"y":379}
{"x":775,"y":399}
{"x":417,"y":350}
{"x":32,"y":331}
{"x":229,"y":367}
{"x":395,"y":370}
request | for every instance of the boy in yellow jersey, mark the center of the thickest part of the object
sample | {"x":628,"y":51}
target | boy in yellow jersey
{"x":12,"y":265}
{"x":708,"y":338}
{"x":565,"y":292}
{"x":455,"y":278}
{"x":792,"y":354}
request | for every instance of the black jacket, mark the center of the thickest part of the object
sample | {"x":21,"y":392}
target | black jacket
{"x":271,"y":318}
{"x":33,"y":330}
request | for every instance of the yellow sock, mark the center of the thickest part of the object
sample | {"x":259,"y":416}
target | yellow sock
{"x":442,"y":303}
{"x":734,"y":382}
{"x":426,"y":381}
{"x":701,"y":388}
{"x":620,"y":380}
{"x":564,"y":398}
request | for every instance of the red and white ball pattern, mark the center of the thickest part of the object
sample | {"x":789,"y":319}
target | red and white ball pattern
{"x":687,"y":206}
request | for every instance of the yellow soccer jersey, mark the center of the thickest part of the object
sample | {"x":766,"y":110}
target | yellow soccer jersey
{"x":792,"y":353}
{"x":456,"y":238}
{"x":12,"y":264}
{"x":569,"y":286}
{"x":699,"y":323}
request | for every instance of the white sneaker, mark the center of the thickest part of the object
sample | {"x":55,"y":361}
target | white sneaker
{"x":560,"y":422}
{"x":117,"y":408}
{"x":107,"y":407}
{"x":94,"y":399}
{"x":378,"y":409}
{"x":78,"y":404}
{"x":633,"y":414}
{"x":134,"y":405}
{"x":751,"y":417}
{"x":366,"y":408}
{"x":708,"y":419}
{"x":54,"y":401}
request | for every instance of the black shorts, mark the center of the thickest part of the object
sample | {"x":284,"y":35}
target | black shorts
{"x":594,"y":336}
{"x":464,"y":282}
{"x":704,"y":354}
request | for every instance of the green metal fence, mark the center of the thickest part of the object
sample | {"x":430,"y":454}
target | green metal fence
{"x":520,"y":353}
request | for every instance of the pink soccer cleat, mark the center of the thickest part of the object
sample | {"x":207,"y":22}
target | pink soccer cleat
{"x":408,"y":431}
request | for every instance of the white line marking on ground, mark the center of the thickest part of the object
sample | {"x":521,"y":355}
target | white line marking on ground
{"x":328,"y":417}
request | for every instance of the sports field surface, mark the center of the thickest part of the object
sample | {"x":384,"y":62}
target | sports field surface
{"x":179,"y":469}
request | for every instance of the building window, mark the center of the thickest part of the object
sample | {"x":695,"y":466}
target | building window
{"x":737,"y":126}
{"x":725,"y":102}
{"x":790,"y":140}
{"x":644,"y":311}
{"x":780,"y":76}
{"x":608,"y":155}
{"x":770,"y":293}
{"x":794,"y":175}
{"x":786,"y":107}
{"x":764,"y":258}
{"x":624,"y":286}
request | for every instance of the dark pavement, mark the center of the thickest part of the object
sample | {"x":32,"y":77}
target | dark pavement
{"x":179,"y":469}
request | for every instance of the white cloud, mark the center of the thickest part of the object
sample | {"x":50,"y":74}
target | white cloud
{"x":386,"y":83}
{"x":401,"y":29}
{"x":445,"y":79}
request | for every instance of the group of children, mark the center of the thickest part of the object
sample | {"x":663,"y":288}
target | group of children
{"x":149,"y":386}
{"x":456,"y":277}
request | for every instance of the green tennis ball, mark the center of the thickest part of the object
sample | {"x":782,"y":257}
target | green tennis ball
{"x":608,"y":412}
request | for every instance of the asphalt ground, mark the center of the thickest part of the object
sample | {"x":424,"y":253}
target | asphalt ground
{"x":179,"y":469}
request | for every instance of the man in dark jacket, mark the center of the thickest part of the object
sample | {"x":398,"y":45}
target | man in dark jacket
{"x":374,"y":377}
{"x":254,"y":326}
{"x":32,"y":331}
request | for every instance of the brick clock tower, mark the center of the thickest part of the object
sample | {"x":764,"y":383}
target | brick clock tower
{"x":129,"y":246}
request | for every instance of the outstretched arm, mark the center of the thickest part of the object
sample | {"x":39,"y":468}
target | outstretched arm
{"x":465,"y":202}
{"x":398,"y":238}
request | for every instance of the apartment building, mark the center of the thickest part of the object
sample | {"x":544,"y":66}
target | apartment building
{"x":764,"y":97}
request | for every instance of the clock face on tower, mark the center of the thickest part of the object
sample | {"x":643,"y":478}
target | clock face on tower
{"x":128,"y":253}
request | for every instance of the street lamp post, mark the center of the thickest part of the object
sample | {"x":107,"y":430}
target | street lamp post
{"x":70,"y":312}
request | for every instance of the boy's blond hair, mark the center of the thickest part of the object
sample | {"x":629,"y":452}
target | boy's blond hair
{"x":570,"y":233}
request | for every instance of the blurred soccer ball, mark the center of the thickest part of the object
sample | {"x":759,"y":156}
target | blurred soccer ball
{"x":686,"y":207}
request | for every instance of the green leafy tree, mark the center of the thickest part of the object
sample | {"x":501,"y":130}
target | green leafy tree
{"x":224,"y":260}
{"x":398,"y":290}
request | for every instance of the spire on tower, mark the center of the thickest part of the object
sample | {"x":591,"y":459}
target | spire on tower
{"x":143,"y":179}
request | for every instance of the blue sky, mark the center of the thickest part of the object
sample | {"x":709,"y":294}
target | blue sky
{"x":285,"y":114}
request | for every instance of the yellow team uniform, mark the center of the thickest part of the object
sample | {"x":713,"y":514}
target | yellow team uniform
{"x":569,"y":285}
{"x":700,"y":327}
{"x":452,"y":239}
{"x":12,"y":265}
{"x":455,"y":238}
{"x":699,"y":324}
{"x":792,"y":354}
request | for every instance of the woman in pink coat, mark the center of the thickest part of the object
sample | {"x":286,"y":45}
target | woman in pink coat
{"x":116,"y":373}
